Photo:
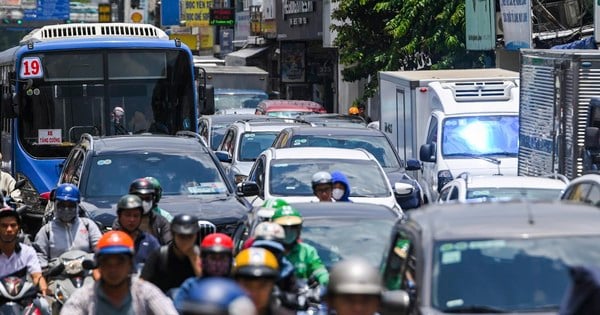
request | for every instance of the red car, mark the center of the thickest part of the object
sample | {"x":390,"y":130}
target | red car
{"x":288,"y":108}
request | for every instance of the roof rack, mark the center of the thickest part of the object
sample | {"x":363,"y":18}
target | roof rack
{"x":562,"y":177}
{"x":191,"y":134}
{"x":94,"y":30}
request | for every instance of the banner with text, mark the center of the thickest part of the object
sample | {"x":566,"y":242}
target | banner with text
{"x":516,"y":23}
{"x":196,"y":12}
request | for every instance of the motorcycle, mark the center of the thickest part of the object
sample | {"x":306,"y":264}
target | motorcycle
{"x":18,"y":295}
{"x":307,"y":300}
{"x":66,"y":274}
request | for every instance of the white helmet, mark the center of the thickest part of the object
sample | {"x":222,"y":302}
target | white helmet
{"x":321,"y":178}
{"x":269,"y":231}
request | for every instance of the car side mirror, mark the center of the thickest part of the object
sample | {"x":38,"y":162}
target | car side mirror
{"x":592,"y":138}
{"x":247,"y":188}
{"x":427,"y":152}
{"x":394,"y":302}
{"x":413,"y":165}
{"x":403,"y":189}
{"x":223,"y":156}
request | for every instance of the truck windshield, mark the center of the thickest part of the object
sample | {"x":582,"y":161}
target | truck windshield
{"x":238,"y":100}
{"x":480,"y":135}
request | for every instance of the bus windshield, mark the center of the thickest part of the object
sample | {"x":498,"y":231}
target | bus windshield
{"x":103,"y":92}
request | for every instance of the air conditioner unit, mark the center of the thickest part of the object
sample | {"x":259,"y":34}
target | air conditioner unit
{"x":499,"y":26}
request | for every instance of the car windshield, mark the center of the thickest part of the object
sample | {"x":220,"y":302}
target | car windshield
{"x":179,"y":174}
{"x":253,"y":143}
{"x":508,"y":274}
{"x":292,"y":177}
{"x":507,"y":193}
{"x":480,"y":135}
{"x":286,"y":114}
{"x":336,"y":239}
{"x":378,"y":146}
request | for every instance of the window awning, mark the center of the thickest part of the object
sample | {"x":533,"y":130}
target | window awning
{"x":239,"y":57}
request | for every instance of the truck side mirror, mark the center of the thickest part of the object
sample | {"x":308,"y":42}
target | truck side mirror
{"x":427,"y":152}
{"x":592,"y":138}
{"x":206,"y":99}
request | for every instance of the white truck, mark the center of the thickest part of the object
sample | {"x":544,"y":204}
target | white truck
{"x":560,"y":112}
{"x":458,"y":120}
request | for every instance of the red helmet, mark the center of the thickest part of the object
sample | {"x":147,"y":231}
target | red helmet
{"x":216,"y":242}
{"x":115,"y":242}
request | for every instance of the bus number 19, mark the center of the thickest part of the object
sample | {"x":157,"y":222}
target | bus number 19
{"x":31,"y":67}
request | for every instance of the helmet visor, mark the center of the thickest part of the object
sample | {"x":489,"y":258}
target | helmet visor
{"x":292,"y":233}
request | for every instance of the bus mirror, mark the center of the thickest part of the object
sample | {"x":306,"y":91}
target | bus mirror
{"x":206,"y":100}
{"x":7,"y":110}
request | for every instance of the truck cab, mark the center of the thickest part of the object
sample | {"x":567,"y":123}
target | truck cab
{"x":457,"y":120}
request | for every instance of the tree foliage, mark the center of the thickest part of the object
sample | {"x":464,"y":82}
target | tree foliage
{"x":388,"y":35}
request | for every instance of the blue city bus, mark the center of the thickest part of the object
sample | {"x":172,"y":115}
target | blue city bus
{"x":65,"y":80}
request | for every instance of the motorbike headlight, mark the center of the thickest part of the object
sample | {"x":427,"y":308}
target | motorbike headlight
{"x":73,"y":267}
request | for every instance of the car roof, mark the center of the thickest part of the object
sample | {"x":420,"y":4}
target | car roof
{"x":320,"y":153}
{"x":155,"y":143}
{"x":343,"y":210}
{"x":506,"y":220}
{"x":301,"y":103}
{"x":338,"y":131}
{"x":228,"y":118}
{"x":504,"y":181}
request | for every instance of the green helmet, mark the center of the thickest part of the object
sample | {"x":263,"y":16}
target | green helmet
{"x":157,"y":188}
{"x":274,"y":203}
{"x":286,"y":216}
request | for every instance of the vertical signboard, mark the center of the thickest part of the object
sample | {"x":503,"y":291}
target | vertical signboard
{"x":48,"y":10}
{"x":169,"y":12}
{"x":136,"y":11}
{"x":104,"y":13}
{"x":516,"y":23}
{"x":481,"y":26}
{"x":196,"y":12}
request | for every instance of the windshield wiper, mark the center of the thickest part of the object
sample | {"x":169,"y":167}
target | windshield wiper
{"x":474,"y":309}
{"x":541,"y":308}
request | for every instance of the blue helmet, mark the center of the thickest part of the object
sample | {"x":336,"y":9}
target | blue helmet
{"x":213,"y":296}
{"x":67,"y":192}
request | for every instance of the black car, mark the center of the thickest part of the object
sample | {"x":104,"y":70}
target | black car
{"x":504,"y":257}
{"x":372,"y":140}
{"x":192,"y":179}
{"x":338,"y":230}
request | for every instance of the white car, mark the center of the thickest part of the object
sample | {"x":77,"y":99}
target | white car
{"x":286,"y":173}
{"x":467,"y":188}
{"x":584,"y":189}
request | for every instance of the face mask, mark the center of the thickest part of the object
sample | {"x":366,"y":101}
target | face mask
{"x":337,"y":193}
{"x":66,"y":214}
{"x":147,"y":205}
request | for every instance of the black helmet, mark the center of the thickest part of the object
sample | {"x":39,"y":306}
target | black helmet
{"x":129,"y":202}
{"x":185,"y":224}
{"x":141,"y":186}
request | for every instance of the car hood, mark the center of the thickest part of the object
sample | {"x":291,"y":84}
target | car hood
{"x":217,"y":210}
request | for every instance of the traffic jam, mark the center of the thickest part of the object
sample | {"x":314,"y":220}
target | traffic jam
{"x":138,"y":179}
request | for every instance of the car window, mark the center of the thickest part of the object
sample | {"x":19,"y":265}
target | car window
{"x":257,"y":174}
{"x":400,"y":263}
{"x":378,"y":146}
{"x":453,"y":193}
{"x":432,"y":131}
{"x":290,"y":177}
{"x":253,"y":143}
{"x":72,"y":169}
{"x":444,"y":194}
{"x":185,"y":173}
{"x":228,"y":142}
{"x":203,"y":129}
{"x":527,"y":274}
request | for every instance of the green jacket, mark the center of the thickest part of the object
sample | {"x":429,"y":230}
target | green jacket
{"x":160,"y":211}
{"x":307,"y":263}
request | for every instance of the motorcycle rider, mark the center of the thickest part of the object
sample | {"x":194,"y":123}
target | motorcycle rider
{"x":322,"y":186}
{"x":66,"y":231}
{"x":129,"y":215}
{"x":256,"y":270}
{"x":152,"y":222}
{"x":213,"y":296}
{"x":14,"y":255}
{"x":216,"y":253}
{"x":306,"y":260}
{"x":270,"y":236}
{"x":341,"y":186}
{"x":117,"y":292}
{"x":157,"y":195}
{"x":7,"y":185}
{"x":355,"y":287}
{"x":168,"y":267}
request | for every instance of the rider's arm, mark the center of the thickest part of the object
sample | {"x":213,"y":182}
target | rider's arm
{"x":94,"y":233}
{"x":40,"y":281}
{"x":316,"y":268}
{"x":41,"y":245}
